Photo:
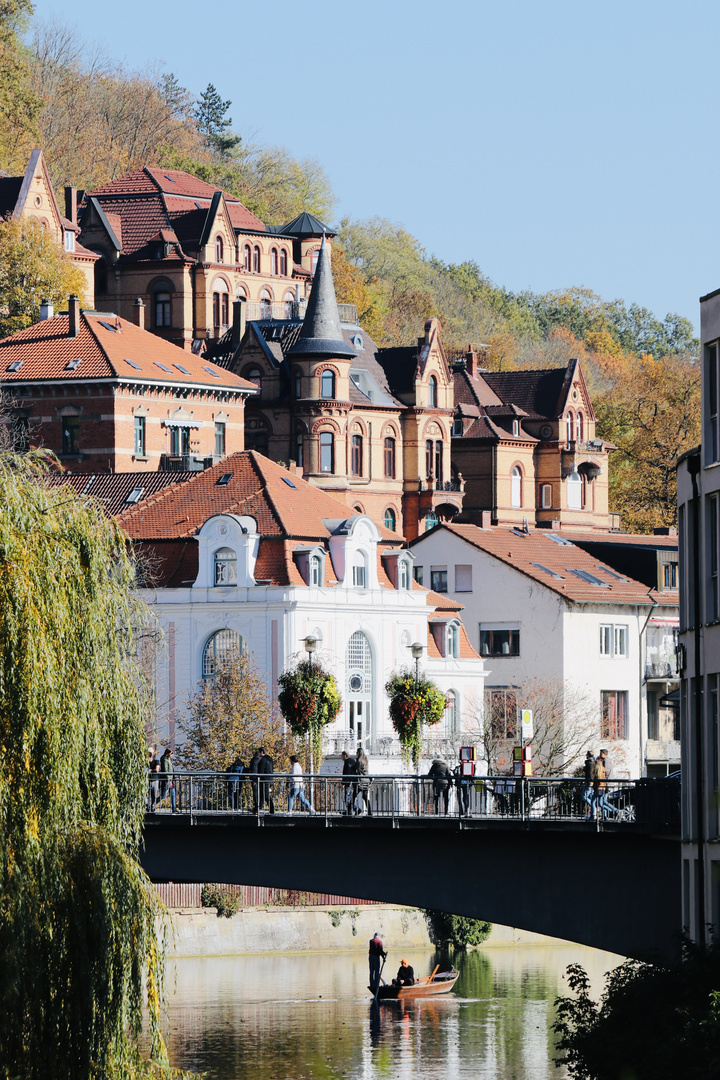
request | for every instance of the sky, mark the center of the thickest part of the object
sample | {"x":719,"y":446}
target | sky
{"x":554,"y":143}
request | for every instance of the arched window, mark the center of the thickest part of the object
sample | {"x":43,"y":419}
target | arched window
{"x":299,"y":449}
{"x":219,"y":249}
{"x":453,"y":641}
{"x":254,"y":375}
{"x":431,"y":520}
{"x":315,"y":569}
{"x":297,"y":384}
{"x":273,"y":262}
{"x":289,"y":305}
{"x":579,"y":427}
{"x":283,"y":262}
{"x":390,"y":519}
{"x":432,"y":392}
{"x":356,"y":455}
{"x":359,"y":571}
{"x":327,"y":452}
{"x":403,"y":574}
{"x":256,"y":260}
{"x":516,"y":487}
{"x":221,"y":648}
{"x":225,"y":567}
{"x":162,"y":309}
{"x":438,"y":462}
{"x":389,"y":457}
{"x":546,"y":496}
{"x":574,"y":489}
{"x":359,"y":667}
{"x":429,"y":451}
{"x":315,"y":257}
{"x":247,"y":256}
{"x":327,"y":384}
{"x":265,"y":305}
{"x":101,"y":276}
{"x":569,"y":427}
{"x":451,"y":714}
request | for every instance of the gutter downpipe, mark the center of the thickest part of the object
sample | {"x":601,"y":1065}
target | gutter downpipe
{"x":693,"y":465}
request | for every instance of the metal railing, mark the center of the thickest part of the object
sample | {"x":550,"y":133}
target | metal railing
{"x":664,"y":668}
{"x":441,"y":485}
{"x":647,"y":802}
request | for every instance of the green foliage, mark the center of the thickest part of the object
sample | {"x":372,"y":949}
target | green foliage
{"x":77,"y":914}
{"x":226,"y":899}
{"x":214,"y":124}
{"x":651,"y":1023}
{"x":413,"y":704}
{"x":457,"y":930}
{"x":19,"y":105}
{"x":32,"y":268}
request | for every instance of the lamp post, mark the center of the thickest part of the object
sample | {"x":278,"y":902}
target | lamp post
{"x":310,"y":646}
{"x":417,"y":650}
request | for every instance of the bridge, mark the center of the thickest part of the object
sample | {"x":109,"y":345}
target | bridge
{"x":526,"y":856}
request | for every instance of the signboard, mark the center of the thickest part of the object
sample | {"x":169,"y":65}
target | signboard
{"x":526,"y":724}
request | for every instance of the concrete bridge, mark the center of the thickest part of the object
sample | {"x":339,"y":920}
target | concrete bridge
{"x":616,"y":887}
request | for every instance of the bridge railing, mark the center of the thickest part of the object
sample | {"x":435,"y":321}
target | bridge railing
{"x":648,"y":802}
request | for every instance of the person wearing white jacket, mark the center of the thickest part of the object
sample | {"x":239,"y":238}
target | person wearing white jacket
{"x":296,"y":786}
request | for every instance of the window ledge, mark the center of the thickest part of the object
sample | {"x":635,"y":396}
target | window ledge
{"x":141,"y":457}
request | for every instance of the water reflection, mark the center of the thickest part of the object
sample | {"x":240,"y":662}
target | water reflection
{"x":310,"y":1017}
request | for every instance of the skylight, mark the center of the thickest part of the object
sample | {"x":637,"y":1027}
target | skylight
{"x":558,"y":539}
{"x":286,"y":481}
{"x":611,"y":573}
{"x":88,"y":485}
{"x":162,"y":367}
{"x":552,"y":573}
{"x":199,"y":205}
{"x":224,"y":479}
{"x":585,"y":575}
{"x":109,"y":326}
{"x":16,"y":365}
{"x":169,"y":178}
{"x":132,"y":364}
{"x":72,"y":364}
{"x":181,"y":368}
{"x":210,"y":371}
{"x":135,"y":495}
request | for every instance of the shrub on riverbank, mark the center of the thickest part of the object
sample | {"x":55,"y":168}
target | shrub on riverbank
{"x":457,"y":930}
{"x":227,"y":901}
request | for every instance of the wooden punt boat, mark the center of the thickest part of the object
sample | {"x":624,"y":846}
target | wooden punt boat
{"x":430,"y":986}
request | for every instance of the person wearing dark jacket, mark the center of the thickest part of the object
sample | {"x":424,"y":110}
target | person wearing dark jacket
{"x":588,"y":770}
{"x":462,"y":783}
{"x":252,"y":772}
{"x":234,"y":782}
{"x":363,"y":779}
{"x":351,"y":784}
{"x":441,"y":778}
{"x":405,"y":975}
{"x":375,"y":953}
{"x":265,"y":787}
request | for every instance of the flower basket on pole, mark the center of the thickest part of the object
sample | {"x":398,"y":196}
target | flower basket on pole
{"x":414,"y":703}
{"x":309,"y":699}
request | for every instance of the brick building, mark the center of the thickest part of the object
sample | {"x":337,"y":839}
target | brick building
{"x":189,"y":250}
{"x":105,"y":395}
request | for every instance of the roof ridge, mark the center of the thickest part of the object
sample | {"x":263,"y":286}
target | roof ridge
{"x":266,"y":487}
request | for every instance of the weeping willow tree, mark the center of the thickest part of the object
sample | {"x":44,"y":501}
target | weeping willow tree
{"x":77,"y":915}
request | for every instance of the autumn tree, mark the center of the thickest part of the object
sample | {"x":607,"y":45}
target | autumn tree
{"x":230,"y":715}
{"x":19,"y":104}
{"x":33,"y":267}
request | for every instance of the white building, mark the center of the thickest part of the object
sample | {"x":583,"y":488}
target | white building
{"x":249,"y":554}
{"x":544,"y":613}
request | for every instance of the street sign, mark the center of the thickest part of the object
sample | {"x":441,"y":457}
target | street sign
{"x":526,"y":724}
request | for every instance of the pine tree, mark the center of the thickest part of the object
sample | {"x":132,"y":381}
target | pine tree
{"x":213,"y":123}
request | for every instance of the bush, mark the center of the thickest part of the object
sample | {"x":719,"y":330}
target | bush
{"x":223,"y":897}
{"x":458,"y":930}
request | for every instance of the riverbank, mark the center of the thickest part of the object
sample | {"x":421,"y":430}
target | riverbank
{"x":199,"y":932}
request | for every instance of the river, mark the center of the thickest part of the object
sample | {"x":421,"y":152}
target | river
{"x":309,"y":1016}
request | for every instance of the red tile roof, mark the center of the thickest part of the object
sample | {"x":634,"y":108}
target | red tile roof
{"x":535,"y":553}
{"x":282,"y":504}
{"x":112,"y":489}
{"x":104,"y":345}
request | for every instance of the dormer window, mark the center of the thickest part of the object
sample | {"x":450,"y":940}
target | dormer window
{"x":315,"y":574}
{"x":225,"y":567}
{"x":516,"y":427}
{"x":453,"y":641}
{"x":359,"y":572}
{"x":457,"y":428}
{"x":69,"y":240}
{"x":403,"y":574}
{"x":432,"y":392}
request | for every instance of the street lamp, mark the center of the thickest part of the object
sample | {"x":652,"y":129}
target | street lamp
{"x":417,"y":649}
{"x":311,"y":643}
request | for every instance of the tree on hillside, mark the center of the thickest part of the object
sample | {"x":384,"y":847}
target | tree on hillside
{"x":230,"y":714}
{"x":32,"y":268}
{"x":19,"y":105}
{"x":77,"y":914}
{"x":652,"y":414}
{"x":214,"y":124}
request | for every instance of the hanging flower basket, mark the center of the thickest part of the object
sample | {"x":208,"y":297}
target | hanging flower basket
{"x":309,"y":699}
{"x":413,"y":704}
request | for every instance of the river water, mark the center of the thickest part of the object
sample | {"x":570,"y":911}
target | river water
{"x":310,"y":1017}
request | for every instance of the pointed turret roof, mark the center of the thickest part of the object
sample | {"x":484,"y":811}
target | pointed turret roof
{"x":321,"y":334}
{"x":306,"y":225}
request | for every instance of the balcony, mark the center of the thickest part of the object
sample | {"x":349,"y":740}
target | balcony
{"x":442,"y":485}
{"x":185,"y":463}
{"x":665,"y":668}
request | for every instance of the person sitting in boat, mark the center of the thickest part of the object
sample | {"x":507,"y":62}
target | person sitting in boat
{"x":405,"y":975}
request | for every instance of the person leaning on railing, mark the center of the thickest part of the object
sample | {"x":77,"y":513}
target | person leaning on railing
{"x":362,"y":764}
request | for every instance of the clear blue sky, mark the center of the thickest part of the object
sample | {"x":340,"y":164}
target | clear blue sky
{"x":556,"y":143}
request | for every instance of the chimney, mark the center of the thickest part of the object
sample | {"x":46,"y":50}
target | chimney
{"x":471,"y":362}
{"x":46,"y":310}
{"x":238,"y":323}
{"x":71,"y":202}
{"x":485,"y":519}
{"x":73,"y":316}
{"x":139,"y":313}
